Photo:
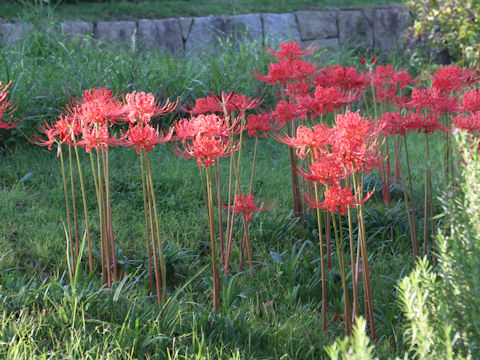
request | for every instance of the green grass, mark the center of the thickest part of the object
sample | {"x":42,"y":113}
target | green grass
{"x":276,"y":315}
{"x":133,"y":10}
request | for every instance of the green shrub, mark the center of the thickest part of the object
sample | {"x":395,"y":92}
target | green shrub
{"x":448,"y":26}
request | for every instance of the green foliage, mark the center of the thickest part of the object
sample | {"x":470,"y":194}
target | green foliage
{"x":451,"y":26}
{"x":138,"y":9}
{"x":441,"y":305}
{"x":356,"y":347}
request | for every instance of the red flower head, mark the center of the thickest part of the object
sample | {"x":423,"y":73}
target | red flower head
{"x":468,"y":123}
{"x":245,"y":204}
{"x":471,"y":101}
{"x":95,"y":137}
{"x":326,"y":100}
{"x":286,"y":70}
{"x":6,"y":108}
{"x":355,"y":140}
{"x":206,"y":149}
{"x":325,"y":170}
{"x":241,"y":103}
{"x":205,"y":105}
{"x":432,"y":99}
{"x":426,"y":124}
{"x":97,"y":106}
{"x":346,"y":78}
{"x":141,"y":107}
{"x":285,"y":111}
{"x":397,"y":124}
{"x":306,"y":139}
{"x":145,"y":137}
{"x":450,"y":79}
{"x":289,"y":50}
{"x":337,"y":199}
{"x":205,"y":125}
{"x":257,"y":123}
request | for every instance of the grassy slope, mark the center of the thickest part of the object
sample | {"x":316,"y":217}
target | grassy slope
{"x":132,"y":10}
{"x":280,"y":312}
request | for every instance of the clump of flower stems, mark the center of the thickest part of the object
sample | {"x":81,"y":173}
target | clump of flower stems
{"x":340,"y":123}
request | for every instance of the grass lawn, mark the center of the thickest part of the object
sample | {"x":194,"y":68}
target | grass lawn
{"x":133,"y":10}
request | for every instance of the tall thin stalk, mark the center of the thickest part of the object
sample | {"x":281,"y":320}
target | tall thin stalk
{"x":341,"y":263}
{"x":157,"y":228}
{"x":85,"y":210}
{"x":366,"y":270}
{"x":211,"y":224}
{"x":67,"y":208}
{"x":74,"y":202}
{"x":322,"y":262}
{"x":147,"y":229}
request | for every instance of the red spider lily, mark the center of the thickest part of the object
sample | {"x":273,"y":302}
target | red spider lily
{"x":260,"y":123}
{"x":206,"y":149}
{"x":9,"y":124}
{"x":450,"y":79}
{"x":95,"y":137}
{"x":337,"y":199}
{"x":389,"y":82}
{"x":206,"y":105}
{"x":206,"y":125}
{"x":290,"y":50}
{"x":426,"y":124}
{"x":355,"y":140}
{"x":239,"y":102}
{"x":397,"y":124}
{"x":325,"y":170}
{"x":145,"y":137}
{"x":97,"y":106}
{"x":298,"y":88}
{"x":471,"y":101}
{"x":284,"y":112}
{"x":245,"y":204}
{"x":469,"y":123}
{"x":6,"y":108}
{"x":141,"y":107}
{"x":306,"y":138}
{"x":346,"y":78}
{"x":50,"y":132}
{"x":432,"y":99}
{"x":63,"y":131}
{"x":325,"y":100}
{"x":287,"y":70}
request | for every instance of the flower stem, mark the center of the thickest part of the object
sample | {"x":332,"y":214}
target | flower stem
{"x":157,"y":228}
{"x":322,"y":262}
{"x":211,"y":223}
{"x":247,"y":240}
{"x":67,"y":208}
{"x":85,"y":210}
{"x":74,"y":203}
{"x":147,"y":229}
{"x":341,"y":263}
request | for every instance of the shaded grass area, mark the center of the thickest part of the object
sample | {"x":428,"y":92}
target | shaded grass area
{"x":133,"y":10}
{"x":276,"y":315}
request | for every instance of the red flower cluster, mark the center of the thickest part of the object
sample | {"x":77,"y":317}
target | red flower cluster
{"x":206,"y":138}
{"x":337,"y":152}
{"x":140,"y":109}
{"x":245,"y":204}
{"x":6,"y":108}
{"x":87,"y":122}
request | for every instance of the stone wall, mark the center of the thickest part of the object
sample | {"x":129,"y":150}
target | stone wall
{"x":381,"y":27}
